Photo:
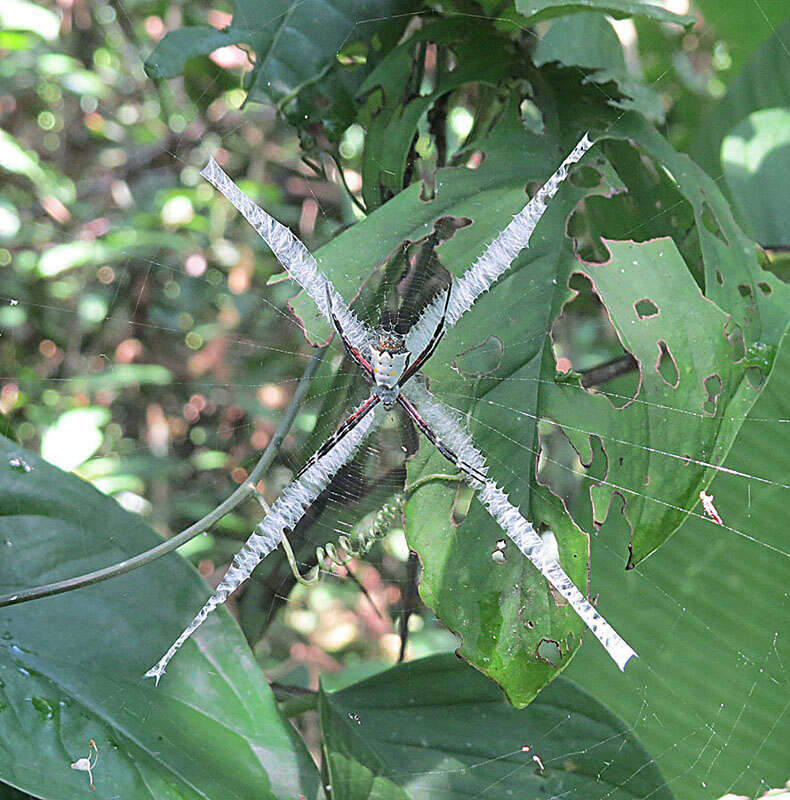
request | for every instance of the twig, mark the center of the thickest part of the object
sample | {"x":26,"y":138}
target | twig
{"x":355,"y":580}
{"x":611,"y":369}
{"x":411,"y":600}
{"x":354,"y":199}
{"x":241,"y":494}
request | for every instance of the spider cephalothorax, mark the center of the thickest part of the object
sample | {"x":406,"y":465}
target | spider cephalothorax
{"x":388,"y":360}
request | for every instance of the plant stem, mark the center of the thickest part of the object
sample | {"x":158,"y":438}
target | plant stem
{"x":241,"y":494}
{"x":434,"y":476}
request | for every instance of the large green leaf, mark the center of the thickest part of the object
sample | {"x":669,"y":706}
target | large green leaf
{"x":437,"y":728}
{"x":755,"y":156}
{"x":71,"y":666}
{"x":764,"y":82}
{"x":732,"y":276}
{"x":709,"y":614}
{"x":650,"y":296}
{"x":588,"y":40}
{"x":536,"y":10}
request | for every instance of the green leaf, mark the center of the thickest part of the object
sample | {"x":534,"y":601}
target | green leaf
{"x":588,"y":40}
{"x":764,"y":82}
{"x":398,"y":105}
{"x":296,"y":42}
{"x":755,"y":156}
{"x":437,"y":728}
{"x":71,"y":666}
{"x":731,"y":273}
{"x":536,"y":10}
{"x":710,"y":617}
{"x":641,"y":446}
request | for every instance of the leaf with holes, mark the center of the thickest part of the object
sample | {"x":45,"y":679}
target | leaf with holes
{"x":657,"y":450}
{"x":710,"y":616}
{"x":510,"y":623}
{"x":71,"y":666}
{"x":437,"y":728}
{"x":588,"y":40}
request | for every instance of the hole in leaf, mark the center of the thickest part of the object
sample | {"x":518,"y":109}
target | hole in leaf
{"x":765,"y":288}
{"x":745,"y":290}
{"x":420,"y":274}
{"x":475,"y":159}
{"x":585,"y":177}
{"x":755,"y":376}
{"x":646,"y":309}
{"x":734,"y":335}
{"x":713,"y":388}
{"x":719,"y":278}
{"x":712,"y":224}
{"x":666,"y":366}
{"x":531,"y":117}
{"x":647,"y":193}
{"x":558,"y":464}
{"x":461,"y":504}
{"x":584,"y":338}
{"x":548,"y":650}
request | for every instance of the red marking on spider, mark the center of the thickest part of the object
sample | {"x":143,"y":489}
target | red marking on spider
{"x":709,"y":508}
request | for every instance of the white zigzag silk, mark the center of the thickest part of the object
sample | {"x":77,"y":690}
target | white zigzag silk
{"x":286,"y":511}
{"x":449,"y":428}
{"x":495,"y":260}
{"x":299,"y":263}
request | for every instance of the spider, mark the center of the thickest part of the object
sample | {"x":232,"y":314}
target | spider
{"x":390,"y":364}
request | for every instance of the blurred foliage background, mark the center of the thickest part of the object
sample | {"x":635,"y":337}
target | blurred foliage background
{"x":143,"y":342}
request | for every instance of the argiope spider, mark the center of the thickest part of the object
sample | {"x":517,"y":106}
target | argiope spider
{"x":390,"y":363}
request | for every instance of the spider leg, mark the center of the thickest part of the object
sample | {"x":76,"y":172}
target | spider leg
{"x":430,"y":348}
{"x":285,"y":513}
{"x":352,"y":351}
{"x":501,"y":252}
{"x":431,"y":415}
{"x":351,"y":422}
{"x":297,"y":260}
{"x":472,"y":472}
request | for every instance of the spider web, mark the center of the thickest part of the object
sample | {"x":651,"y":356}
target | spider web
{"x":722,"y":587}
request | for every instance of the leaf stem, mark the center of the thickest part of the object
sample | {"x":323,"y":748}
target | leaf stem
{"x":239,"y":495}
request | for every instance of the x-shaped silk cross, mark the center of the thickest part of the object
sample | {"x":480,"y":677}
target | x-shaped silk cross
{"x":441,"y":427}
